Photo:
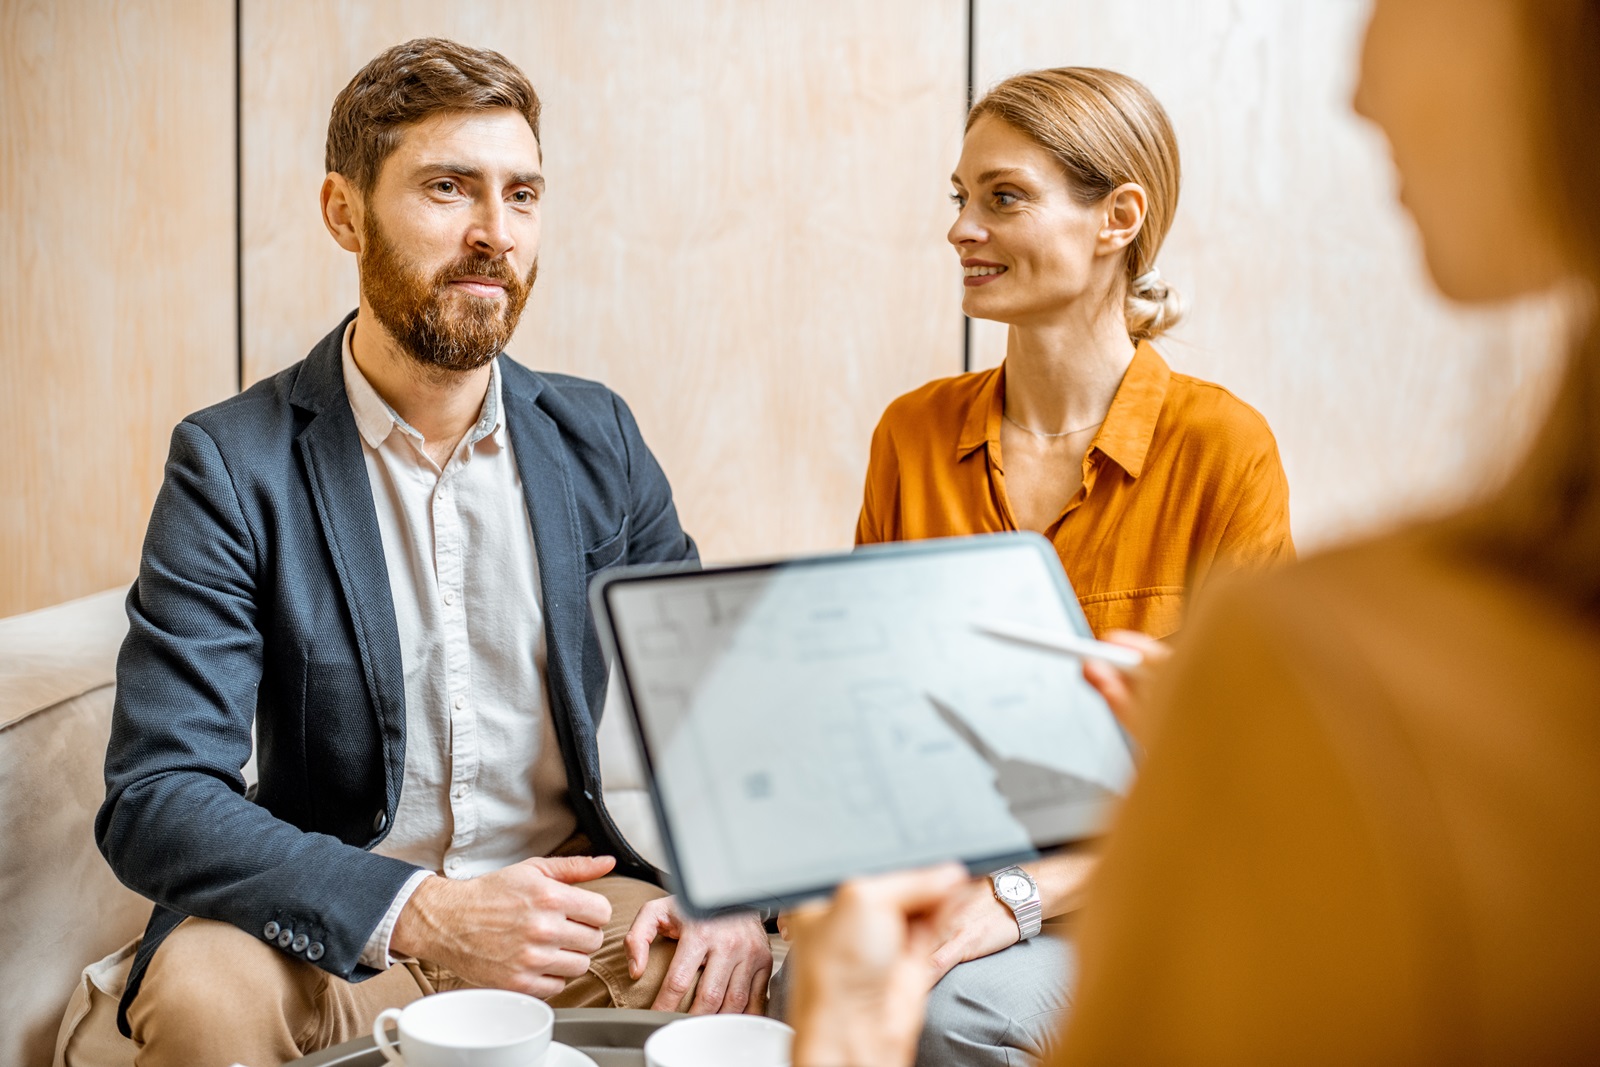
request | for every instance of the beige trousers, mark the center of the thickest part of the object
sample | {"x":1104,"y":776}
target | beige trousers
{"x":214,"y":995}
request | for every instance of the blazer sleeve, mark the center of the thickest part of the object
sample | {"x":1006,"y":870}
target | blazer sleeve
{"x":656,"y":536}
{"x":176,"y":825}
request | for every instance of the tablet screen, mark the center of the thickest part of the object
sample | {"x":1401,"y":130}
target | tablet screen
{"x":810,"y":721}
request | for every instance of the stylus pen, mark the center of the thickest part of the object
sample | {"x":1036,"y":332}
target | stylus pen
{"x":1062,"y":643}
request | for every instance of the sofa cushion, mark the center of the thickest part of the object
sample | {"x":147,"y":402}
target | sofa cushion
{"x":64,"y":907}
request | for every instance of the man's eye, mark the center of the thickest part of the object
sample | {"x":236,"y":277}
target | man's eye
{"x":522,"y":196}
{"x":445,"y":186}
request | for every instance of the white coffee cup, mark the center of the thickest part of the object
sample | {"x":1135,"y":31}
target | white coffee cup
{"x":469,"y":1028}
{"x":720,"y":1041}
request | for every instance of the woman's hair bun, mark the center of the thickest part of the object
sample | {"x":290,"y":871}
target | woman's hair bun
{"x":1152,"y":306}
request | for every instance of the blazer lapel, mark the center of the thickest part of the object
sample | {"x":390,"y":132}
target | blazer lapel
{"x":547,"y":485}
{"x":336,"y":471}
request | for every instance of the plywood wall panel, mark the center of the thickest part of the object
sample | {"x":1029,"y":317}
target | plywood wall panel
{"x":1308,"y":297}
{"x":743,"y":229}
{"x":117,"y":254}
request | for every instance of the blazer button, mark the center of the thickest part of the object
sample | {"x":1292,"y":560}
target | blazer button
{"x":285,"y":937}
{"x":270,"y":931}
{"x":314,"y":951}
{"x":379,"y":821}
{"x":299,"y":943}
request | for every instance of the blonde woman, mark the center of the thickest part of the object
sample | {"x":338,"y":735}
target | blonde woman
{"x":1368,"y":829}
{"x":1145,"y":480}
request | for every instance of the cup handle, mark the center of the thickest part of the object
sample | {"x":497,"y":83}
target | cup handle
{"x":380,"y":1035}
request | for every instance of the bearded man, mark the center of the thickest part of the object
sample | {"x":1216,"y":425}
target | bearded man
{"x":377,"y":561}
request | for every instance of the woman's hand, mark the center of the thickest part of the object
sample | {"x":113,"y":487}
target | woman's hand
{"x":861,"y":966}
{"x":1122,"y":689}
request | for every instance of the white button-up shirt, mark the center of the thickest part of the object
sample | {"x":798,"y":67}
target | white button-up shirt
{"x":484,"y":783}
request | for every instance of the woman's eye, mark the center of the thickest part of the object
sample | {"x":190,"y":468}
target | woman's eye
{"x":958,"y":200}
{"x":1005,"y":199}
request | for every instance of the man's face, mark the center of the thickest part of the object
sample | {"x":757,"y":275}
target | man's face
{"x":450,"y":236}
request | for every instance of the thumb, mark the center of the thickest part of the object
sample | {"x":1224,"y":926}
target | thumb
{"x":574,"y":869}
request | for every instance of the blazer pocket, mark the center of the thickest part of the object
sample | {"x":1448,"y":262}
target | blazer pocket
{"x":607,"y":553}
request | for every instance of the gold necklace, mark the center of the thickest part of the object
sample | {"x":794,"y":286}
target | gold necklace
{"x":1040,"y":433}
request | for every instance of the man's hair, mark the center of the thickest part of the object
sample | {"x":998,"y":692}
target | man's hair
{"x":407,"y":84}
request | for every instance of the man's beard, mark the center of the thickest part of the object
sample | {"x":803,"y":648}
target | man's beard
{"x":427,"y":319}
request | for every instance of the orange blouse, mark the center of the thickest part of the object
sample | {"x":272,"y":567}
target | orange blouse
{"x":1182,"y":478}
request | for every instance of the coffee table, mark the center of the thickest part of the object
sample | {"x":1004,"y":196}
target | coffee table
{"x":612,"y":1037}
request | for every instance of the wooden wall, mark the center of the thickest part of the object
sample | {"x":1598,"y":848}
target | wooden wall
{"x":744,"y":236}
{"x":1308,"y":296}
{"x":117,"y":259}
{"x":743,"y":228}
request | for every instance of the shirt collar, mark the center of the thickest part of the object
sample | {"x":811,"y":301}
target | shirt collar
{"x":982,"y":424}
{"x":1125,"y":435}
{"x":1131,"y":423}
{"x":376,"y":420}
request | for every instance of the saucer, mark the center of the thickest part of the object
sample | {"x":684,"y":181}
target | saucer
{"x":566,"y":1056}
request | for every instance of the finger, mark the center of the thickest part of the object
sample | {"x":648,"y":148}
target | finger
{"x":737,"y":996}
{"x":573,"y":869}
{"x":715,"y":980}
{"x":912,"y":892}
{"x":1154,"y":651}
{"x":579,"y":937}
{"x":680,"y":975}
{"x":758,"y":991}
{"x":943,"y":959}
{"x":578,"y":905}
{"x":647,"y":925}
{"x":564,"y":963}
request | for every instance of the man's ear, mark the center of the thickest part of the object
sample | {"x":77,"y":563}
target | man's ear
{"x":341,"y":211}
{"x":1125,"y":208}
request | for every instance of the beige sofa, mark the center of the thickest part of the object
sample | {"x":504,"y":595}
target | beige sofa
{"x":67,"y":926}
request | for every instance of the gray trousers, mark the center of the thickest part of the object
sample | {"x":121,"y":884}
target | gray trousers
{"x":1005,"y":1010}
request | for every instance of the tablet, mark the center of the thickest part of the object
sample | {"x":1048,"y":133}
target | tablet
{"x":811,"y":720}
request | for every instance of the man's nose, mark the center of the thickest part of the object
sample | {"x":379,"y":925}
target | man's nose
{"x":490,"y":234}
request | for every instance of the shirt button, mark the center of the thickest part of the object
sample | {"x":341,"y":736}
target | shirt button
{"x":461,"y":702}
{"x":449,"y":598}
{"x":452,"y":864}
{"x":461,"y":792}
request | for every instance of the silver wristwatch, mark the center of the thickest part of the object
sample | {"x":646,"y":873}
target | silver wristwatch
{"x":1017,"y":890}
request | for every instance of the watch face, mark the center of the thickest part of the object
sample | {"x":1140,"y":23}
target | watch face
{"x":1013,"y":888}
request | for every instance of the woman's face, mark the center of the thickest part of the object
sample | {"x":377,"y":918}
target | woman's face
{"x":1451,"y":84}
{"x":1028,"y":248}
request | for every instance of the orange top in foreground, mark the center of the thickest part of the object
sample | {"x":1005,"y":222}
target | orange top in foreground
{"x":1182,"y":478}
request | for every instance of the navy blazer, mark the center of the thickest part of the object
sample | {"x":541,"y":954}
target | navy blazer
{"x":263,"y":600}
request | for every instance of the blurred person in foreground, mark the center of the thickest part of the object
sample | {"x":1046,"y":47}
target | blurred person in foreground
{"x":1368,"y":826}
{"x":1148,"y":483}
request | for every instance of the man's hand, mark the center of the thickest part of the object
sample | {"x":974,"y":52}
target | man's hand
{"x":861,"y":970}
{"x":733,"y":952}
{"x":1124,"y":689}
{"x":525,"y":927}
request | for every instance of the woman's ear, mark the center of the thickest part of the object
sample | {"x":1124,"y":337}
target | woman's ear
{"x":341,"y":212}
{"x":1125,"y":208}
